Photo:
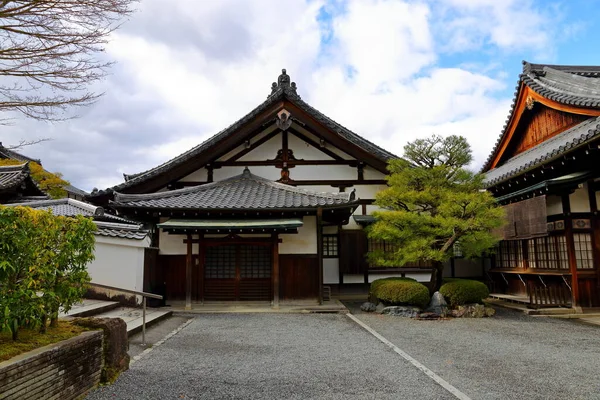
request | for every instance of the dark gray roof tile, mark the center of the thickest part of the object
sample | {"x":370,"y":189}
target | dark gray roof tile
{"x":12,"y":176}
{"x":245,"y":191}
{"x":566,"y":84}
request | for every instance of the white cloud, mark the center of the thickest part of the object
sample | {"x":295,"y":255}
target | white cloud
{"x":189,"y":70}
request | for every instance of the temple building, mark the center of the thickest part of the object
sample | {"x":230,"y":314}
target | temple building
{"x":544,"y":170}
{"x":269,"y":209}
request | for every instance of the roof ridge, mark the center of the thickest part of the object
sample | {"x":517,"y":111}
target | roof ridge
{"x":282,"y":89}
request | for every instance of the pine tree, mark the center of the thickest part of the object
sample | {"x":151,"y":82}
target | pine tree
{"x":432,"y":203}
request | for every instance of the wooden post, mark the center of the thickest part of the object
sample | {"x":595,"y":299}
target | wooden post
{"x":595,"y":230}
{"x":566,"y":204}
{"x":188,"y":274}
{"x":275,"y":255}
{"x":201,"y":258}
{"x":320,"y":251}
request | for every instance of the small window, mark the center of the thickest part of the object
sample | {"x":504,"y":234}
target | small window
{"x":330,"y":246}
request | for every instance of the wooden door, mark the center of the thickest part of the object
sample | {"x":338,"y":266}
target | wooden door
{"x":298,"y":276}
{"x":237,"y":272}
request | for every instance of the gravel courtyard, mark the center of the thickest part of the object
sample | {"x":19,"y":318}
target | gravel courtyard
{"x":292,"y":356}
{"x":272,"y":356}
{"x":510,"y":356}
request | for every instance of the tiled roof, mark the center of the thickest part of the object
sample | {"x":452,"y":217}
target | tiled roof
{"x":565,"y":84}
{"x":245,"y":191}
{"x":124,"y":231}
{"x":283,"y":89}
{"x":108,"y":225}
{"x":13,"y":155}
{"x":65,"y":207}
{"x":545,"y":151}
{"x":12,"y":176}
{"x":75,"y":190}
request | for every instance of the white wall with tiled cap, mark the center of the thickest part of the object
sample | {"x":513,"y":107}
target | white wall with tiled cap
{"x":579,"y":199}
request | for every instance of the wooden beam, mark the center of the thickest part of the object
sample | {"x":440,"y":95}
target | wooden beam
{"x":275,"y":255}
{"x":566,"y":204}
{"x":320,"y":251}
{"x":291,"y":163}
{"x":317,"y":129}
{"x":315,"y":144}
{"x":595,"y":230}
{"x":253,"y":146}
{"x":188,"y":274}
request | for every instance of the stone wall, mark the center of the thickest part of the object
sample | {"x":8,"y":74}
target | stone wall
{"x":64,"y":370}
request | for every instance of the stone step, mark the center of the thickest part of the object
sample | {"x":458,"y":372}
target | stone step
{"x":89,"y":308}
{"x":133,"y":317}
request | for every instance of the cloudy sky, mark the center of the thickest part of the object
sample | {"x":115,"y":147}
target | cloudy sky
{"x":390,"y":70}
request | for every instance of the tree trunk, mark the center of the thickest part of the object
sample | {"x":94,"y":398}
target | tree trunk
{"x":54,"y":321}
{"x":43,"y":326}
{"x":439,"y":275}
{"x":15,"y":335}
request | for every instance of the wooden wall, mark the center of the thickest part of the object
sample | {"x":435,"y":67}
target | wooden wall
{"x":541,"y":124}
{"x":298,"y":276}
{"x":353,"y":247}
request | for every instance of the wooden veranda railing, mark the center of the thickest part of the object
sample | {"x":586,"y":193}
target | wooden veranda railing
{"x":548,"y":296}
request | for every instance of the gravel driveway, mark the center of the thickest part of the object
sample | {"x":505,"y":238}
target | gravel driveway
{"x":272,"y":356}
{"x":510,"y":356}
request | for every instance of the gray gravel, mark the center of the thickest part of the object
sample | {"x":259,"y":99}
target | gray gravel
{"x":272,"y":356}
{"x":154,"y":333}
{"x":510,"y":356}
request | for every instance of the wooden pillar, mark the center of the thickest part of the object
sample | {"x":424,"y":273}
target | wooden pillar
{"x":566,"y":205}
{"x":595,"y":230}
{"x":275,"y":255}
{"x":188,"y":274}
{"x":320,"y":251}
{"x":201,"y":260}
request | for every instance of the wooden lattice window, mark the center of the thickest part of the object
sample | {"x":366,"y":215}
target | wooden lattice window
{"x":548,"y":252}
{"x":330,"y":246}
{"x":583,"y":250}
{"x":376,"y":245}
{"x":255,"y":262}
{"x":510,"y":254}
{"x":220,"y":262}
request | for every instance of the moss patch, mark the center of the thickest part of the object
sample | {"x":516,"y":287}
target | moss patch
{"x":31,"y":339}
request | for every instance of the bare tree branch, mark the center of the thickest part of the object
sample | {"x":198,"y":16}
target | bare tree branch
{"x":25,"y":143}
{"x":48,"y":53}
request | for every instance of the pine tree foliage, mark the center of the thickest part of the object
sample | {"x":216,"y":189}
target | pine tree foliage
{"x":433,"y":201}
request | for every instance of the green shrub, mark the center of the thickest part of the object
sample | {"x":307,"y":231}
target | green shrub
{"x":463,"y":291}
{"x":400,"y":291}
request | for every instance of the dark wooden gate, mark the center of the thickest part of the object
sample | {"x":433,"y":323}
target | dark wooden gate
{"x":298,"y":276}
{"x":238,"y":272}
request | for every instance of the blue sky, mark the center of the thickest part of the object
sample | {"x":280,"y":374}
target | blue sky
{"x":390,"y":70}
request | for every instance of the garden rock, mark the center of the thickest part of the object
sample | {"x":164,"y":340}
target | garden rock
{"x":473,"y":311}
{"x":368,"y":307}
{"x":402,"y":311}
{"x":438,"y":305}
{"x":380,"y":307}
{"x":429,"y":315}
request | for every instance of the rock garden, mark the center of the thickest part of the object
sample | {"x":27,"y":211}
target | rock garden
{"x":405,"y":297}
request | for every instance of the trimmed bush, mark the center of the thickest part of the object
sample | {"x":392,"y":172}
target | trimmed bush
{"x":463,"y":291}
{"x":400,"y":291}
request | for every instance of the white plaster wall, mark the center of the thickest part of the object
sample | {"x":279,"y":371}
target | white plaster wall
{"x":304,"y":242}
{"x":118,"y":264}
{"x":268,"y":172}
{"x":266,"y":151}
{"x":323,"y":172}
{"x":354,"y":278}
{"x":305,"y":151}
{"x":367,"y":191}
{"x":579,"y":199}
{"x":243,"y":145}
{"x":553,"y":205}
{"x":198,"y":175}
{"x":330,"y":230}
{"x":352,"y":225}
{"x":331,"y":270}
{"x":329,"y":146}
{"x":172,"y":244}
{"x":372,"y":173}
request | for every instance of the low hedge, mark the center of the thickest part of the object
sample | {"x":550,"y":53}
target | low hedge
{"x":463,"y":291}
{"x":400,"y":291}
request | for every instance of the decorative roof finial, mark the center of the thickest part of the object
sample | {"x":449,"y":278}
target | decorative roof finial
{"x":284,"y":83}
{"x":246,"y":173}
